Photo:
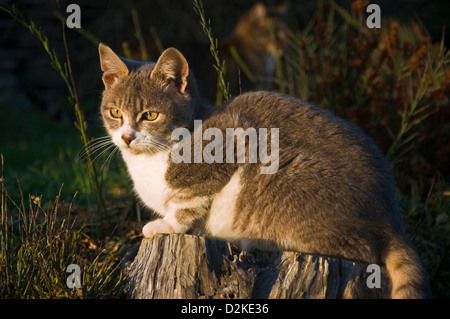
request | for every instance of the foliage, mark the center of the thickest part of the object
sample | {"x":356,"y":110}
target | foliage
{"x":37,"y":246}
{"x":388,"y":81}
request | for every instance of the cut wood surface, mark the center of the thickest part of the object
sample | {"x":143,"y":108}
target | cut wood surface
{"x":189,"y":266}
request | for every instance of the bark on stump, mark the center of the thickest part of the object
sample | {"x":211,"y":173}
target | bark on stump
{"x":188,"y":266}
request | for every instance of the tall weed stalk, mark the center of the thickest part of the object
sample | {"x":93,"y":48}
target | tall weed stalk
{"x":219,"y":66}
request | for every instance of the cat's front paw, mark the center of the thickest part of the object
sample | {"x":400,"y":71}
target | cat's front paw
{"x":158,"y":226}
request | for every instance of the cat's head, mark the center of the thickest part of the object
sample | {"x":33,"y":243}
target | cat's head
{"x":143,"y":102}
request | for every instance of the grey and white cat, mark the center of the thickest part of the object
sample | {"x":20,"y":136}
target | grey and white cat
{"x":333,"y":193}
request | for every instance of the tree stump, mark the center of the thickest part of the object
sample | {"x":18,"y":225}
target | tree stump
{"x":189,"y":266}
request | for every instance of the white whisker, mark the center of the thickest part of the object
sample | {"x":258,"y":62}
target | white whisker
{"x":94,"y":146}
{"x":165,"y":148}
{"x":99,"y":147}
{"x":108,"y":159}
{"x":103,"y":152}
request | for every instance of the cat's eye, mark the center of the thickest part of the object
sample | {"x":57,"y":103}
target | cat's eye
{"x":116,"y":113}
{"x":150,"y":116}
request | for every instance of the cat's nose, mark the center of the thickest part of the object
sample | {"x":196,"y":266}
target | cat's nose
{"x":128,"y":138}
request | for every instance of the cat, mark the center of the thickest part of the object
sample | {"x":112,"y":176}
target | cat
{"x":332,"y":193}
{"x":259,"y":37}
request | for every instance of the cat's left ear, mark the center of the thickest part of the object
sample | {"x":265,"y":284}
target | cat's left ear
{"x":172,"y":66}
{"x":112,"y":66}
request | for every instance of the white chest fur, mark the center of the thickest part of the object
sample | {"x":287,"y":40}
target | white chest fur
{"x":148,"y":175}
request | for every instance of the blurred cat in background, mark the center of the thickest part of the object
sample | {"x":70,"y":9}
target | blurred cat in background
{"x":258,"y":39}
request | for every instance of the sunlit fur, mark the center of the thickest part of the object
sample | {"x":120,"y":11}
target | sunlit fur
{"x":333,"y":193}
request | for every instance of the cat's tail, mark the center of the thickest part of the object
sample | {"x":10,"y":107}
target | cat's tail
{"x":409,"y":279}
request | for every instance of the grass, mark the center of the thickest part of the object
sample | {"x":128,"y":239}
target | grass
{"x":393,"y":82}
{"x":219,"y":66}
{"x":37,"y":246}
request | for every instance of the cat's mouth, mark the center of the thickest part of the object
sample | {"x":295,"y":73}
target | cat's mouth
{"x":131,"y":149}
{"x":137,"y":147}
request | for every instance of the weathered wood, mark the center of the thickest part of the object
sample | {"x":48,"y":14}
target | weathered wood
{"x":188,"y":266}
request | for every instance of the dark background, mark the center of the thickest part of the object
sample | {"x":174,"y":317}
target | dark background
{"x":24,"y":64}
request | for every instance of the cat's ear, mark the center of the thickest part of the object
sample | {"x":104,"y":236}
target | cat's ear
{"x":172,"y":67}
{"x":112,"y":66}
{"x":258,"y":11}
